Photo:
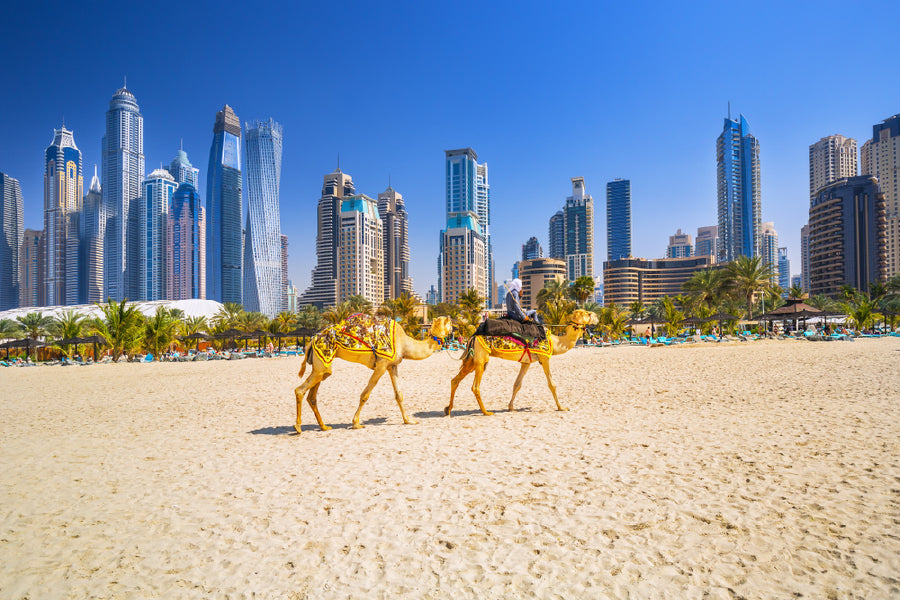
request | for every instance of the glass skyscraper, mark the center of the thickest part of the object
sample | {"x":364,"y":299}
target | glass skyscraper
{"x":154,"y":244}
{"x":91,"y":227}
{"x":11,"y":237}
{"x":395,"y":226}
{"x":618,"y":219}
{"x":63,"y":182}
{"x":183,"y":171}
{"x":122,"y":174}
{"x":737,"y":173}
{"x":578,"y":224}
{"x":224,"y":211}
{"x":557,"y":239}
{"x":263,"y":290}
{"x":186,"y":232}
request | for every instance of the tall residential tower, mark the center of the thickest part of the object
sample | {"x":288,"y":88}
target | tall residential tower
{"x":618,"y":219}
{"x":579,"y":232}
{"x":395,"y":231}
{"x":224,"y":211}
{"x":11,"y":237}
{"x":881,"y":158}
{"x":63,"y":182}
{"x":739,"y":206}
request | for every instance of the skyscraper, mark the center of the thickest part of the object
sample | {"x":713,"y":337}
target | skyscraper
{"x":62,"y":203}
{"x":285,"y":282}
{"x":784,"y":271}
{"x":395,"y":231}
{"x":531,"y":249}
{"x":705,"y":243}
{"x":360,"y":250}
{"x":737,"y":174}
{"x":183,"y":171}
{"x":122,"y":174}
{"x":881,"y":158}
{"x":263,"y":285}
{"x":618,"y":219}
{"x":91,"y":228}
{"x":579,"y":232}
{"x":831,"y":158}
{"x":768,"y":248}
{"x":680,"y":245}
{"x":468,"y":217}
{"x":11,"y":235}
{"x":322,"y":292}
{"x":804,"y":257}
{"x":186,"y":232}
{"x":847,"y":223}
{"x":153,"y":227}
{"x":556,"y":247}
{"x":224,"y":211}
{"x":32,"y":262}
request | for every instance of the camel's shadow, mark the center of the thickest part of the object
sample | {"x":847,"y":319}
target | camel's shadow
{"x":434,"y":414}
{"x":289,"y":430}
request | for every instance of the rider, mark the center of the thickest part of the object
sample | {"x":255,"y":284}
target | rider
{"x":514,"y":308}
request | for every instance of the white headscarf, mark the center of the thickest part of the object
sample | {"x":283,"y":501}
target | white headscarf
{"x":516,"y":284}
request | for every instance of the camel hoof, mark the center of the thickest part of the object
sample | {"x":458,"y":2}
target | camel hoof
{"x":510,"y":408}
{"x":357,"y":426}
{"x":411,"y":422}
{"x":297,"y":427}
{"x":563,"y":408}
{"x":488,"y":413}
{"x":326,"y":427}
{"x":446,"y":411}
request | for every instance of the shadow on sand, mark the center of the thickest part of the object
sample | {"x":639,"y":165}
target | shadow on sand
{"x":289,"y":429}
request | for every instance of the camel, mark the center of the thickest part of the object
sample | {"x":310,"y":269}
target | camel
{"x":481,"y":348}
{"x":378,"y":343}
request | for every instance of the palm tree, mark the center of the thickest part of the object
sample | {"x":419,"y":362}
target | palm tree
{"x":360,"y":304}
{"x":339,"y":312}
{"x":285,"y":321}
{"x":192,"y":325}
{"x":9,"y":329}
{"x":311,"y":317}
{"x":822,"y":302}
{"x":471,"y":303}
{"x":796,"y":292}
{"x":613,"y":321}
{"x":877,"y":290}
{"x":159,"y":330}
{"x":557,"y":312}
{"x":707,"y":286}
{"x":893,"y":286}
{"x":637,"y":310}
{"x":120,"y":326}
{"x":35,"y":324}
{"x":748,"y":276}
{"x":67,"y":325}
{"x":228,"y":316}
{"x":848,"y":293}
{"x":861,"y":311}
{"x":554,"y":290}
{"x":582,"y":289}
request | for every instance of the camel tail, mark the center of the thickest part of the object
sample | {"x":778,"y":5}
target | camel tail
{"x":307,"y":358}
{"x":470,"y":349}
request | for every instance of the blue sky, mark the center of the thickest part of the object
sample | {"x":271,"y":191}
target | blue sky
{"x":542,"y":91}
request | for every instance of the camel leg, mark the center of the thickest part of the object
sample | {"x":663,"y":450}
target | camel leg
{"x":464,"y":369}
{"x":518,"y":384}
{"x":476,"y":387}
{"x":311,"y":398}
{"x":377,"y":371}
{"x":546,"y":364}
{"x":311,"y":384}
{"x":398,"y":395}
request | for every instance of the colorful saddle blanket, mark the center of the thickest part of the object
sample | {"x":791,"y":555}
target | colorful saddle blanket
{"x":360,"y":333}
{"x":514,"y":349}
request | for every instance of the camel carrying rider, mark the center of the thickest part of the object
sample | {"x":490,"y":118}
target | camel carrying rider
{"x":514,"y":308}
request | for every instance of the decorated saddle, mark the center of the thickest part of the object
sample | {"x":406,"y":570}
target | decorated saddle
{"x":365,"y":334}
{"x":514,"y":340}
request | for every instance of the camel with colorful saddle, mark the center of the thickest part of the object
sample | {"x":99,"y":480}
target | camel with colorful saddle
{"x":376,"y":342}
{"x":481,"y":348}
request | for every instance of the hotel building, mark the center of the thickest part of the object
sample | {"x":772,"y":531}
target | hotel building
{"x":627,"y":280}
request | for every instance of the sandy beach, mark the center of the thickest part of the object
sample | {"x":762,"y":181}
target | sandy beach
{"x":766,"y":469}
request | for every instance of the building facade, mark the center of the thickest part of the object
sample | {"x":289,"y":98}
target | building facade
{"x":532,"y":249}
{"x":12,"y":234}
{"x":738,"y":191}
{"x":263,"y":284}
{"x":224,"y":211}
{"x":462,"y":259}
{"x":186,"y":232}
{"x":681,"y":245}
{"x":618,"y":219}
{"x":285,"y":282}
{"x":804,"y":257}
{"x":63,"y":190}
{"x":395,"y":233}
{"x":881,"y":159}
{"x":122,"y":174}
{"x":784,"y":271}
{"x":159,"y":187}
{"x":579,"y":232}
{"x":847,"y":236}
{"x":706,"y":240}
{"x":360,"y":250}
{"x":322,"y":292}
{"x":32,"y":291}
{"x":183,"y":171}
{"x":768,"y":248}
{"x":556,"y":248}
{"x":535,"y":273}
{"x":831,"y":158}
{"x":631,"y":279}
{"x":91,"y":231}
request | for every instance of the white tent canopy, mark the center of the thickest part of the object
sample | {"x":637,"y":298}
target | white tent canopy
{"x":191,"y":308}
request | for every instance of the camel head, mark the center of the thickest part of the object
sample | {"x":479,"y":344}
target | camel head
{"x":441,"y":329}
{"x":582,"y":318}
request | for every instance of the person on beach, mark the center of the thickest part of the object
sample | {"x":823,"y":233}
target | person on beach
{"x":514,"y":308}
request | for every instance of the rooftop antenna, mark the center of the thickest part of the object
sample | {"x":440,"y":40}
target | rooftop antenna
{"x":181,"y":145}
{"x":339,"y":161}
{"x":125,"y":83}
{"x":389,"y":181}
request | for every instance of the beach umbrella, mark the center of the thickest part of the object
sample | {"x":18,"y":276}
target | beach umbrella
{"x":196,"y":336}
{"x":27,"y":343}
{"x":228,"y":334}
{"x":693,"y":321}
{"x":94,"y":340}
